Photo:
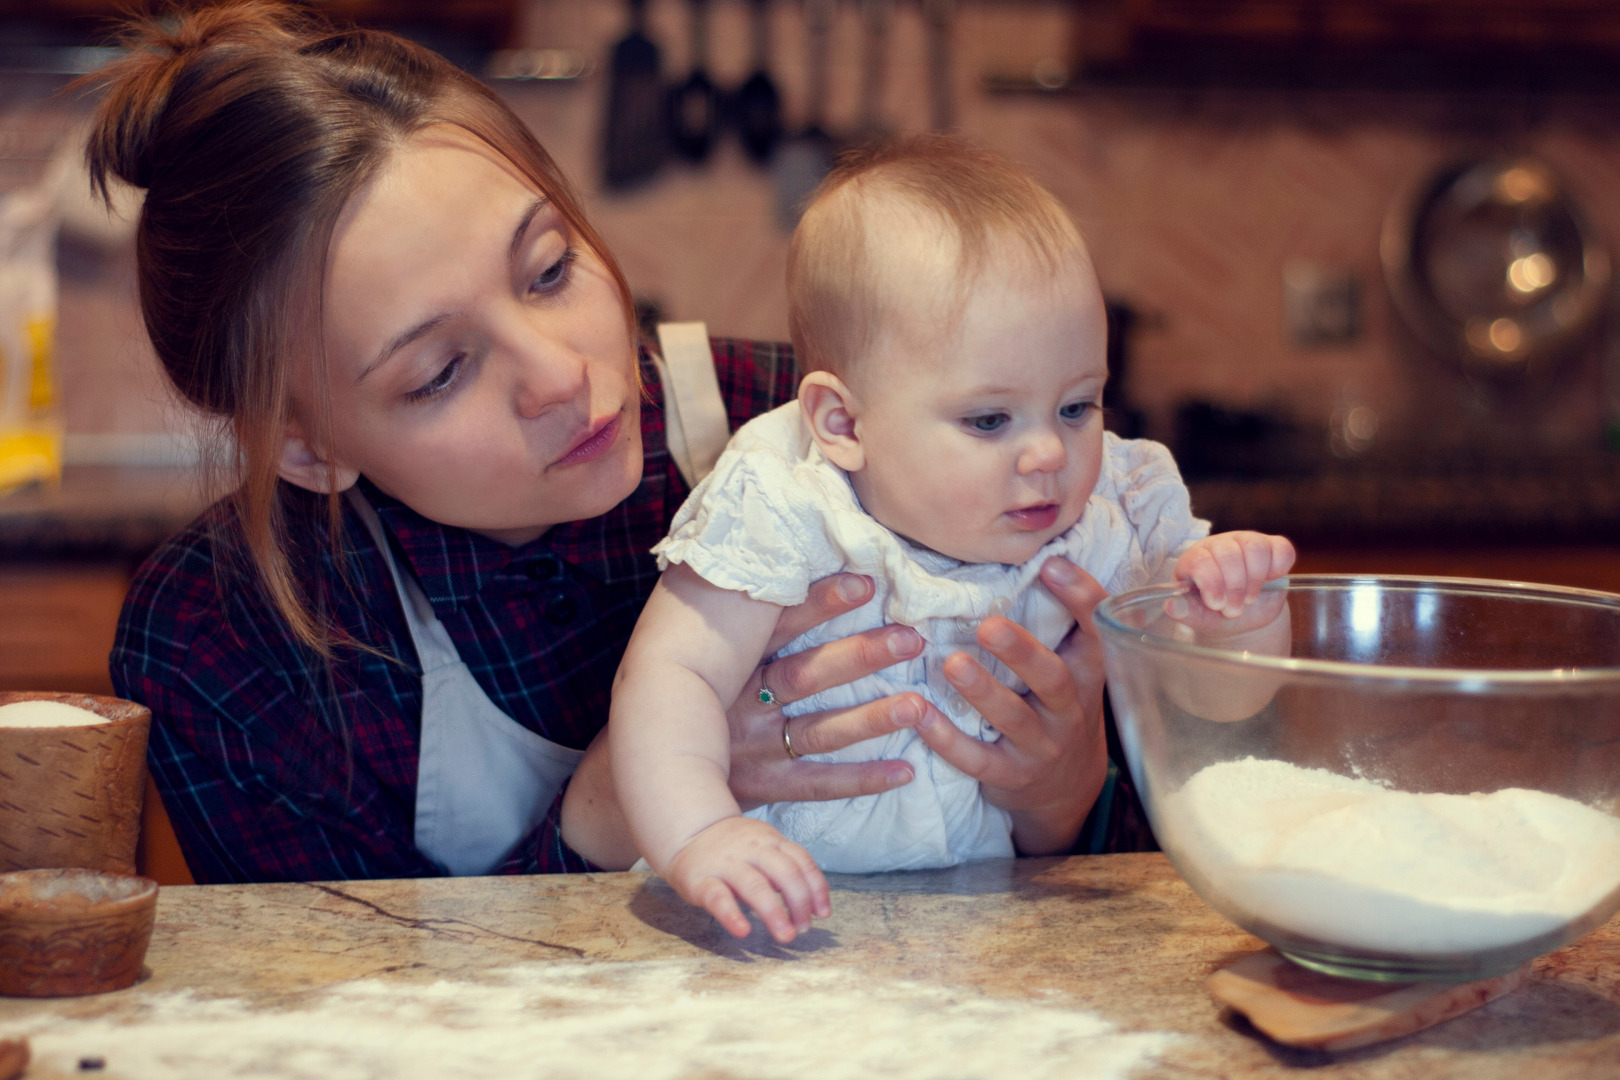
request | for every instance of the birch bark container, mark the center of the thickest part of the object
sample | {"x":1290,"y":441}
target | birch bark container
{"x":71,"y":796}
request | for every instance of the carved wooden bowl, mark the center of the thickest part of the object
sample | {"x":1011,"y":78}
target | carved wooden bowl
{"x":70,"y":932}
{"x":71,"y":796}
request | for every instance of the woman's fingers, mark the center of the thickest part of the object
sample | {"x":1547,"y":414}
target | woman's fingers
{"x":835,"y":729}
{"x":973,"y":757}
{"x":794,"y":678}
{"x":1042,"y":670}
{"x":829,"y":598}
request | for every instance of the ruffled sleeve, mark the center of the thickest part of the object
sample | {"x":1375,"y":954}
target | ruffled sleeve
{"x":1150,"y":490}
{"x":753,"y":525}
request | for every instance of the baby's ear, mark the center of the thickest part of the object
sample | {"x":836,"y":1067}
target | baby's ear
{"x":302,"y":465}
{"x":830,"y":409}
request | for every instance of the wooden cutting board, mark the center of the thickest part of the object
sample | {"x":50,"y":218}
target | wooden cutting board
{"x":1303,"y":1008}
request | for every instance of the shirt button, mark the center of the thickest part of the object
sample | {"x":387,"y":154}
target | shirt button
{"x":561,"y":609}
{"x":543,"y":569}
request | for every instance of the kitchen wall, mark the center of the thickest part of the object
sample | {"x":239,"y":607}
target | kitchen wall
{"x":1193,"y":202}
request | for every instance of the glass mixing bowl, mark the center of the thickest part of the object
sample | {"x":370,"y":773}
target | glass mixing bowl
{"x":1394,"y":778}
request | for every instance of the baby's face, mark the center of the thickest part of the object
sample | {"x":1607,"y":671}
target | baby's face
{"x":986,"y":443}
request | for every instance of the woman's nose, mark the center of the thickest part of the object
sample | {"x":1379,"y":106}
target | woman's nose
{"x":1042,"y":452}
{"x":547,"y":374}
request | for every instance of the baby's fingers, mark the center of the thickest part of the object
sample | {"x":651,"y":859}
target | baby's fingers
{"x":798,"y":881}
{"x":1210,"y":566}
{"x":1256,"y":565}
{"x":760,"y":893}
{"x":1282,"y":556}
{"x":715,"y":897}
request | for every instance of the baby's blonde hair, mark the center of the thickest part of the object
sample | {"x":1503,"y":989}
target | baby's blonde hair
{"x":838,"y":294}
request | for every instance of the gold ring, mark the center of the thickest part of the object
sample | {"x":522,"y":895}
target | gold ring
{"x":787,"y":743}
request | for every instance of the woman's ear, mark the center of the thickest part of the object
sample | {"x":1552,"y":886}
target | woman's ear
{"x":831,"y":409}
{"x":302,"y":465}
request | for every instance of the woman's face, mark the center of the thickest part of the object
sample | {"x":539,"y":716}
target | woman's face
{"x":480,"y":369}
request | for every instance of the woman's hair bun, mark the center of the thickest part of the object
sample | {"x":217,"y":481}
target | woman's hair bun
{"x":144,"y":87}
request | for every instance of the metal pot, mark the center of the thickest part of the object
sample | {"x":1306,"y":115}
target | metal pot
{"x":1491,"y":263}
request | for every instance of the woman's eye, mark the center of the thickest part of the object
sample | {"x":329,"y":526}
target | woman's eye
{"x":555,"y":276}
{"x":441,"y":382}
{"x":1075,"y":410}
{"x":987,"y":422}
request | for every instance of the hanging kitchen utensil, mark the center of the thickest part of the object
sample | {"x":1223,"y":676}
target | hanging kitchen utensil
{"x":941,"y":18}
{"x":804,"y":160}
{"x":635,"y":132}
{"x":694,"y":105}
{"x":757,"y":106}
{"x":1494,"y":265}
{"x":875,"y":18}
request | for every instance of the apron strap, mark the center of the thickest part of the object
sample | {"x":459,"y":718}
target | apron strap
{"x":695,"y":424}
{"x":433,"y":645}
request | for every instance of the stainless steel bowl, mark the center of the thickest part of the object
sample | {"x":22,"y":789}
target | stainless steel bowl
{"x":1398,"y":711}
{"x":1491,"y":263}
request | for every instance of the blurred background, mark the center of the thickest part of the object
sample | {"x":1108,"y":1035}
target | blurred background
{"x":1357,"y":252}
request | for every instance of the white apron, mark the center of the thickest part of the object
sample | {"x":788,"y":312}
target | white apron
{"x":483,"y":780}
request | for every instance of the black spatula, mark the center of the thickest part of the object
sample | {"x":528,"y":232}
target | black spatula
{"x":757,"y":106}
{"x":804,"y":160}
{"x":694,"y":105}
{"x":635,"y":135}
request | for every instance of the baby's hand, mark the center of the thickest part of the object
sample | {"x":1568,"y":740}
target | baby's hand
{"x":740,"y":858}
{"x":1227,"y":570}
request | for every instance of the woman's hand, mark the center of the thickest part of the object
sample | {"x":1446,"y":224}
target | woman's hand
{"x":761,"y":771}
{"x":1049,"y":764}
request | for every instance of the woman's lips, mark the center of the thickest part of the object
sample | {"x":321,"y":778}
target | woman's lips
{"x":1035,"y":518}
{"x":593,"y":445}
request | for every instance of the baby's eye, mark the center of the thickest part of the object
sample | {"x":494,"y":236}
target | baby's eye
{"x":986,"y":423}
{"x":1075,"y":410}
{"x":555,"y":276}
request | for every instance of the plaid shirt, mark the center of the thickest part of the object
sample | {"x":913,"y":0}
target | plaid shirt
{"x":276,"y":765}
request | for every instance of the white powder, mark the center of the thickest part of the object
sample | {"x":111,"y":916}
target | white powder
{"x":646,"y":1021}
{"x":1351,"y":863}
{"x":36,"y":714}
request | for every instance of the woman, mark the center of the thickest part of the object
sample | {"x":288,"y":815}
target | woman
{"x":387,"y":652}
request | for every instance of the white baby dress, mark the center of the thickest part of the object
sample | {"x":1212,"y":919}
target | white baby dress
{"x":776,"y":515}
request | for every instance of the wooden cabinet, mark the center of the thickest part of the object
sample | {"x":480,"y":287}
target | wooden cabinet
{"x":57,"y":624}
{"x":480,"y":23}
{"x":1523,"y":44}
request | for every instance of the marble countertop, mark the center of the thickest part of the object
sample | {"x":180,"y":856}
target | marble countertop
{"x":1080,"y":967}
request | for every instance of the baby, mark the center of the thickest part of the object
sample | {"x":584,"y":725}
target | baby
{"x":947,"y":441}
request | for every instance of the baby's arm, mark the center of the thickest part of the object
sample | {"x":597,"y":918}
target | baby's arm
{"x":693,"y":649}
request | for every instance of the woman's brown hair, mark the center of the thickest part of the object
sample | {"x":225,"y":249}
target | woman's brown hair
{"x":251,"y":126}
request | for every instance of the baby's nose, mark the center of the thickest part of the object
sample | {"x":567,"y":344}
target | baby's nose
{"x":1043,"y":453}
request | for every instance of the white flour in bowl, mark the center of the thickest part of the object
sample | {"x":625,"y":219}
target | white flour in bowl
{"x":1349,"y":862}
{"x":38,"y":714}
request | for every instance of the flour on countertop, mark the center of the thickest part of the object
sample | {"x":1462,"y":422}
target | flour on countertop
{"x":620,"y":1021}
{"x":1349,"y":862}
